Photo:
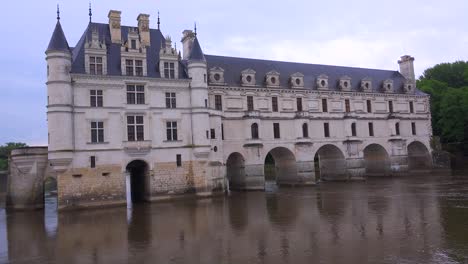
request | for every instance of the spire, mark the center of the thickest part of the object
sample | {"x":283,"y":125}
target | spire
{"x":196,"y":54}
{"x":58,"y":42}
{"x":58,"y":12}
{"x":159,"y":23}
{"x":195,"y":29}
{"x":90,"y":13}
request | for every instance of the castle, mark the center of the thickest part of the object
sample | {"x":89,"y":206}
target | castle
{"x":129,"y":114}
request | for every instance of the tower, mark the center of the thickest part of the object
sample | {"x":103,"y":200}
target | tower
{"x":59,"y":98}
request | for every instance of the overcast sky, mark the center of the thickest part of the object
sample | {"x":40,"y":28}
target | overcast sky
{"x":369,"y":34}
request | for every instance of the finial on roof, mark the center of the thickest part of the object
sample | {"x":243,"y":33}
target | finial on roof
{"x":90,"y":13}
{"x":58,"y":12}
{"x":195,"y":29}
{"x":159,"y":23}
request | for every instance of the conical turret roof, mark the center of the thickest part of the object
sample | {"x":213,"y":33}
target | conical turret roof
{"x":58,"y":42}
{"x":196,"y":53}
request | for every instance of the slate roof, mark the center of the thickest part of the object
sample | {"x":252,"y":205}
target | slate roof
{"x":233,"y":67}
{"x":58,"y":42}
{"x":196,"y":54}
{"x":113,"y":50}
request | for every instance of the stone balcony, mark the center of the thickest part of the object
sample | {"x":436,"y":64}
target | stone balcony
{"x":253,"y":142}
{"x":136,"y":148}
{"x":302,"y":114}
{"x":303,"y":141}
{"x":252,"y":114}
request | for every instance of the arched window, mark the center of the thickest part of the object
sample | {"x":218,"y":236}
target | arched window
{"x":305,"y":130}
{"x":254,"y":130}
{"x":353,"y":129}
{"x":397,"y":129}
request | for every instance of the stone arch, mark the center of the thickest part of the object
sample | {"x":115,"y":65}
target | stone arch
{"x":138,"y":181}
{"x":284,"y":165}
{"x":330,"y":163}
{"x":376,"y":160}
{"x":419,"y":157}
{"x":235,"y":171}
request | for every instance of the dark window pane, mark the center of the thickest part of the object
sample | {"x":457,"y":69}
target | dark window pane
{"x":140,"y":98}
{"x":93,"y":135}
{"x":140,"y":132}
{"x":131,"y":98}
{"x":139,"y":119}
{"x":274,"y":104}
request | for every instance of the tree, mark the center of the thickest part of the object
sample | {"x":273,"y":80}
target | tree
{"x":5,"y":151}
{"x":447,"y":83}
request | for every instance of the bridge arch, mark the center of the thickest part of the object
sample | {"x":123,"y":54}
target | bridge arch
{"x":376,"y":160}
{"x":419,"y":157}
{"x":138,"y":181}
{"x":235,"y":171}
{"x":280,"y":166}
{"x":330,"y":163}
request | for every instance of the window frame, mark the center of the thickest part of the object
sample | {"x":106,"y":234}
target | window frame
{"x":353,"y":130}
{"x":274,"y":104}
{"x":169,"y":70}
{"x":369,"y":106}
{"x":218,"y":102}
{"x":254,"y":131}
{"x":326,"y":129}
{"x":413,"y":128}
{"x":370,"y":126}
{"x":324,"y":105}
{"x":135,"y":128}
{"x":97,"y":131}
{"x":276,"y":130}
{"x":299,"y":105}
{"x":96,"y":98}
{"x":96,"y":67}
{"x":171,"y":100}
{"x":305,"y":130}
{"x":347,"y":106}
{"x":250,"y":103}
{"x":135,"y":94}
{"x":171,"y":131}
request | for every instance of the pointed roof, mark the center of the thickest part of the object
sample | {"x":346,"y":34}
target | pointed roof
{"x":196,"y":53}
{"x":58,"y":42}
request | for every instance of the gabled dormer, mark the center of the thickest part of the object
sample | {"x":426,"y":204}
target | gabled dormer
{"x":272,"y":79}
{"x":297,"y":80}
{"x":322,"y":82}
{"x":366,"y":84}
{"x":133,"y":55}
{"x":248,"y":77}
{"x":95,"y":54}
{"x":216,"y":76}
{"x":409,"y":86}
{"x":387,"y":86}
{"x":168,"y":60}
{"x":345,"y":83}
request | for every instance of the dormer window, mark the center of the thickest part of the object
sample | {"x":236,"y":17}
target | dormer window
{"x":216,"y":76}
{"x":408,"y":87}
{"x":322,"y":82}
{"x":134,"y":67}
{"x":133,"y":55}
{"x":169,"y":71}
{"x":95,"y":55}
{"x":272,"y":79}
{"x":366,"y":84}
{"x":248,"y":77}
{"x":95,"y":65}
{"x":387,"y":86}
{"x":297,"y":80}
{"x":133,"y":44}
{"x":345,"y":83}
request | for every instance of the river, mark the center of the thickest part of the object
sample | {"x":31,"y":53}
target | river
{"x":394,"y":220}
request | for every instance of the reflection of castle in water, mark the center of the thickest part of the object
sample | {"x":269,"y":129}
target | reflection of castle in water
{"x":360,"y":221}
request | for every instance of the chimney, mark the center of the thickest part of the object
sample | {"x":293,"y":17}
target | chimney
{"x":114,"y":26}
{"x":143,"y":28}
{"x":187,"y":42}
{"x":407,"y":67}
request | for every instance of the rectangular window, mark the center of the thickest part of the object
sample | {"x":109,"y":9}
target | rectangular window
{"x":138,"y":68}
{"x":92,"y":161}
{"x":411,"y":107}
{"x":135,"y":94}
{"x":171,"y":100}
{"x":218,"y":102}
{"x":171,"y":131}
{"x":397,"y":129}
{"x":96,"y":98}
{"x":371,"y":129}
{"x":97,"y":132}
{"x":353,"y":129}
{"x":222,"y":131}
{"x":369,"y":106}
{"x":326,"y":129}
{"x":390,"y":106}
{"x":207,"y":134}
{"x":324,"y":105}
{"x":133,"y":44}
{"x":276,"y":130}
{"x":129,"y":67}
{"x":413,"y":128}
{"x":169,"y":70}
{"x":213,"y":133}
{"x":95,"y":65}
{"x":299,"y":104}
{"x":135,"y":128}
{"x":179,"y":160}
{"x":274,"y":104}
{"x":347,"y":106}
{"x":250,"y":103}
{"x":206,"y":103}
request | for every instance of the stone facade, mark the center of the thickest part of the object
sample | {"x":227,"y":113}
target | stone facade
{"x":128,"y":113}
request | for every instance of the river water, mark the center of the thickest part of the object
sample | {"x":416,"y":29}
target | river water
{"x":396,"y":220}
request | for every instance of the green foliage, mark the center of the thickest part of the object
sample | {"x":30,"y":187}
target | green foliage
{"x":447,"y":83}
{"x":5,"y":152}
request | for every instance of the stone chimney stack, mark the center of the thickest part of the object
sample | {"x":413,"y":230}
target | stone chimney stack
{"x":407,"y":67}
{"x":114,"y":26}
{"x":187,"y":42}
{"x":143,"y":28}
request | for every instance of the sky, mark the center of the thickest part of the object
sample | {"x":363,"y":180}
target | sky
{"x":359,"y":33}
